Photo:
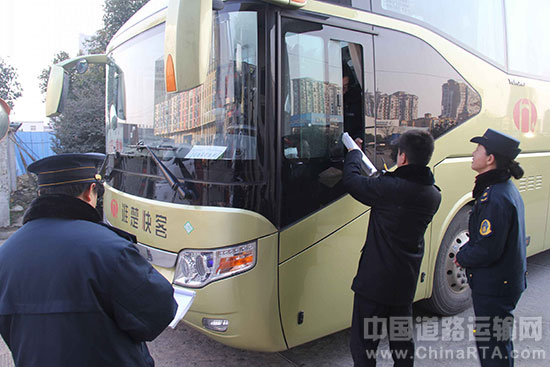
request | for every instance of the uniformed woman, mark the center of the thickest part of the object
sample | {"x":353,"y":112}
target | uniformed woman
{"x":494,"y":257}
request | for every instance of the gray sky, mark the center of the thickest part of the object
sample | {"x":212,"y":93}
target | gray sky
{"x":32,"y":32}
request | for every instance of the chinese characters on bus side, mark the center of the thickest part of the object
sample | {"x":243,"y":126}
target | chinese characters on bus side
{"x":155,"y":224}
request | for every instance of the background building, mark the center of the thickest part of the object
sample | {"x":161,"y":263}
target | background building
{"x":29,"y":126}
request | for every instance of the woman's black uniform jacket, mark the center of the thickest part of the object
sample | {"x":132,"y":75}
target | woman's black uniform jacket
{"x":74,"y":292}
{"x":403,"y":203}
{"x":494,"y":257}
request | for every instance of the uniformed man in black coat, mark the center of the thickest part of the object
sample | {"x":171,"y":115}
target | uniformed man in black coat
{"x":74,"y":291}
{"x":402,"y":203}
{"x":494,"y":257}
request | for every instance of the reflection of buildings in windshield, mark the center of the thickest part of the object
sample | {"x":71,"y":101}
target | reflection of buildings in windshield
{"x":211,"y":113}
{"x":178,"y":116}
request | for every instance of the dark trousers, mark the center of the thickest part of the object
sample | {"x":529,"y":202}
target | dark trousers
{"x":367,"y":325}
{"x":494,"y":323}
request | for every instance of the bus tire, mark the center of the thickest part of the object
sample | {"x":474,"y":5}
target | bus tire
{"x":451,"y":293}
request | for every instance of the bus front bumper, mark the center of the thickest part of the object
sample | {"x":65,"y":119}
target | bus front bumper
{"x":245,"y":305}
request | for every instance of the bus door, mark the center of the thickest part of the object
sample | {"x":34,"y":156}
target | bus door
{"x":326,"y":74}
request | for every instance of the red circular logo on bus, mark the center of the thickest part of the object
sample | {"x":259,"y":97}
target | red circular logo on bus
{"x":114,"y":207}
{"x":525,"y":115}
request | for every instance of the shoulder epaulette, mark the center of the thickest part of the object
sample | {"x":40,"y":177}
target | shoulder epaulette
{"x":484,"y":198}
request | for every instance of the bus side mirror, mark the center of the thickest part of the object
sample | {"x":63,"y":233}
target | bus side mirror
{"x":4,"y":119}
{"x":187,"y":43}
{"x":59,"y":80}
{"x":58,"y":84}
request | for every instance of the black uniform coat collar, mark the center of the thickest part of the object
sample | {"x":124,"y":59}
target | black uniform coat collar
{"x":68,"y":207}
{"x":61,"y":206}
{"x":415,"y":173}
{"x":489,"y":178}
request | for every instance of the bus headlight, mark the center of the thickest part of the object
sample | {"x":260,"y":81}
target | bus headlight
{"x":196,"y":268}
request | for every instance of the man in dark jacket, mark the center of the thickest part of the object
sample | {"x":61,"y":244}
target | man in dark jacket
{"x":74,"y":291}
{"x":402,"y":203}
{"x":494,"y":257}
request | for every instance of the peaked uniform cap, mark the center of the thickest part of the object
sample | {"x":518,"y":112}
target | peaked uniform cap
{"x":496,"y":142}
{"x":67,"y":168}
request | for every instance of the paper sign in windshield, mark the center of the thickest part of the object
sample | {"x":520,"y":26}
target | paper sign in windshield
{"x":205,"y":152}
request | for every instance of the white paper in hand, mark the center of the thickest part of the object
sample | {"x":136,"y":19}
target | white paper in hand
{"x":348,"y":142}
{"x":184,"y":298}
{"x":367,"y":164}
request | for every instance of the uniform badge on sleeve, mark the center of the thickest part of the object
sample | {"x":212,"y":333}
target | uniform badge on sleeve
{"x":485,"y":228}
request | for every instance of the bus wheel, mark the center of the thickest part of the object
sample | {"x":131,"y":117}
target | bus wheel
{"x":451,"y":293}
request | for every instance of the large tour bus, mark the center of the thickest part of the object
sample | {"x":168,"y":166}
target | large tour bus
{"x":224,"y":154}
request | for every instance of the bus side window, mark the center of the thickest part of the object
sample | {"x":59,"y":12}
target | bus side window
{"x":415,"y":88}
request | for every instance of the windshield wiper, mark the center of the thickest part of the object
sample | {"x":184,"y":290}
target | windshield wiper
{"x":173,"y":181}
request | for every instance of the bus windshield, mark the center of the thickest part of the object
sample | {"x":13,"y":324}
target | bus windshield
{"x":216,"y":120}
{"x":210,"y":138}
